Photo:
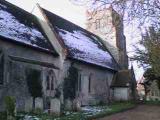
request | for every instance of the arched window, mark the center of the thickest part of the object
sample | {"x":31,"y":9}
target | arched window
{"x":50,"y":80}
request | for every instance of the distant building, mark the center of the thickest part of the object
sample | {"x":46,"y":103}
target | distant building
{"x":154,"y":91}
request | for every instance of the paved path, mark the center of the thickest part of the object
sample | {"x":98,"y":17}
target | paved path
{"x":141,"y":112}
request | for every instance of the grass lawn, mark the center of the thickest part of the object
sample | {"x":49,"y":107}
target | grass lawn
{"x":87,"y":113}
{"x":115,"y":108}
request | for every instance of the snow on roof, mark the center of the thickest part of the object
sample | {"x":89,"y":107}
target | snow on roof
{"x":21,"y":26}
{"x":82,"y":45}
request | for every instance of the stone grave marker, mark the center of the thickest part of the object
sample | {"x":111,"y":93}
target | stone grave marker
{"x":39,"y":103}
{"x":55,"y":106}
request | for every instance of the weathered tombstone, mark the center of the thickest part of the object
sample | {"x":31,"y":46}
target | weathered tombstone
{"x":68,"y":105}
{"x":76,"y":105}
{"x":39,"y":103}
{"x":28,"y":104}
{"x":55,"y":106}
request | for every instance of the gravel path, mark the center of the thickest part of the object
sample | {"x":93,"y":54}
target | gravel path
{"x":141,"y":112}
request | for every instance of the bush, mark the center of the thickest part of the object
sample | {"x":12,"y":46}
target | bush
{"x":101,"y":103}
{"x":34,"y":83}
{"x":70,"y":82}
{"x":38,"y":111}
{"x":10,"y":105}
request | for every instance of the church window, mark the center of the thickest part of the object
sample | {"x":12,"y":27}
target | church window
{"x":50,"y":80}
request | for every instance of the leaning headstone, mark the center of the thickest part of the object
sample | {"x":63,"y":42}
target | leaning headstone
{"x":55,"y":106}
{"x":68,"y":105}
{"x":28,"y":104}
{"x":39,"y":103}
{"x":76,"y":105}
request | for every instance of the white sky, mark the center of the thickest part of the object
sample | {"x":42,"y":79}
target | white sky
{"x":76,"y":14}
{"x":62,"y":8}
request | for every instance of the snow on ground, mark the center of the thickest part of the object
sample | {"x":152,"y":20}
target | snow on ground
{"x":28,"y":117}
{"x":85,"y":111}
{"x":93,"y":110}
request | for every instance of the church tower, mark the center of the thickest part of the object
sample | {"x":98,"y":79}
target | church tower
{"x":108,"y":25}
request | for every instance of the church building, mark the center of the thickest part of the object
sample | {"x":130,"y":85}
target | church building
{"x":44,"y":56}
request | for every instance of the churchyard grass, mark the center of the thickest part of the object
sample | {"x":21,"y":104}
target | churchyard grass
{"x":87,"y":113}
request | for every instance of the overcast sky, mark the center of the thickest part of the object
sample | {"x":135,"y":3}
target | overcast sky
{"x":62,"y":8}
{"x":76,"y":14}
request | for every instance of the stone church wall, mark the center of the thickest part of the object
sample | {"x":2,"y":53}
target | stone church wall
{"x":93,"y":83}
{"x":16,"y":61}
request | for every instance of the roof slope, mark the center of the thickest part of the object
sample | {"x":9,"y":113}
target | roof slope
{"x":122,"y":78}
{"x":21,"y":26}
{"x":81,"y":44}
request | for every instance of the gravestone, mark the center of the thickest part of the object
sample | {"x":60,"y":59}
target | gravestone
{"x":76,"y":105}
{"x":28,"y":104}
{"x":68,"y":105}
{"x":39,"y":103}
{"x":55,"y":106}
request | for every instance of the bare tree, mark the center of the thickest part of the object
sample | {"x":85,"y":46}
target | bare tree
{"x":144,"y":11}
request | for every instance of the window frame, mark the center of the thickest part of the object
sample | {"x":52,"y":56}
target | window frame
{"x":50,"y":80}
